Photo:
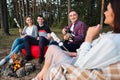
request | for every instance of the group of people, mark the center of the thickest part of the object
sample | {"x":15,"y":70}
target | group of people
{"x":83,"y":51}
{"x":31,"y":34}
{"x":41,"y":35}
{"x":93,"y":53}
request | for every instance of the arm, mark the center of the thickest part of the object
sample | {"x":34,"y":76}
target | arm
{"x":94,"y":56}
{"x":72,"y":54}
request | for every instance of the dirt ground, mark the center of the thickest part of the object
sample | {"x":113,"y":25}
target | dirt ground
{"x":38,"y":66}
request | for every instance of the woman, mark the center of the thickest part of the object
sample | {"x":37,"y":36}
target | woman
{"x":97,"y":53}
{"x":43,"y":40}
{"x":30,"y":30}
{"x":77,"y":29}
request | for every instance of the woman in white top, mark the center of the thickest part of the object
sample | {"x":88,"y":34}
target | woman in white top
{"x":97,"y":53}
{"x":17,"y":45}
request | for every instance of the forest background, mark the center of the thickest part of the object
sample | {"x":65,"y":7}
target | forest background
{"x":54,"y":11}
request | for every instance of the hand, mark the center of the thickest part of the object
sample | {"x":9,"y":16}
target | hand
{"x":92,"y":32}
{"x":66,"y":37}
{"x":22,"y":36}
{"x":37,"y":38}
{"x":49,"y":36}
{"x":64,"y":31}
{"x":20,"y":30}
{"x":72,"y":54}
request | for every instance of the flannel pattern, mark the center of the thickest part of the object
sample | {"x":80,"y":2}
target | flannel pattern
{"x":70,"y":72}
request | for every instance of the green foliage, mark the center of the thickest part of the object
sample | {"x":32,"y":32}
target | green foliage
{"x":56,"y":12}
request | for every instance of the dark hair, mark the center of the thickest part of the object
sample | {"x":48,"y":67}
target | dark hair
{"x":40,"y":16}
{"x":26,"y":18}
{"x":72,"y":11}
{"x":115,"y":4}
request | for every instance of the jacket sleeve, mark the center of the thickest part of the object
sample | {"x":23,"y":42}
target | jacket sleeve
{"x":102,"y":53}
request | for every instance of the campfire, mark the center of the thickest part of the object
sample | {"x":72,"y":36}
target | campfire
{"x":18,"y":67}
{"x":16,"y":62}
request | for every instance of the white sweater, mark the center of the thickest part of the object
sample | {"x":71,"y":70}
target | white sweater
{"x":100,"y":53}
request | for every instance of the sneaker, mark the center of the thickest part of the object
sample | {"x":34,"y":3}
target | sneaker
{"x":10,"y":61}
{"x":3,"y":61}
{"x":41,"y":60}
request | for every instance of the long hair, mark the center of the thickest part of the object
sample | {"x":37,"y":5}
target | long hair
{"x":115,"y":4}
{"x":26,"y":18}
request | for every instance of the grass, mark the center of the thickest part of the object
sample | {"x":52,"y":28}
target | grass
{"x":6,"y":41}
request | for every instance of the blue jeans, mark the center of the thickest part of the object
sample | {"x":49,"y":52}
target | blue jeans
{"x":16,"y":47}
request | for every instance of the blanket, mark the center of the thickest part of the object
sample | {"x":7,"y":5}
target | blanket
{"x":70,"y":72}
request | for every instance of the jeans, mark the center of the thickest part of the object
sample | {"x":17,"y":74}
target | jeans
{"x":28,"y":41}
{"x":70,"y":47}
{"x":42,"y":42}
{"x":16,"y":47}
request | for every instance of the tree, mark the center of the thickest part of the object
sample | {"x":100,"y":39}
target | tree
{"x":4,"y":17}
{"x":69,"y":8}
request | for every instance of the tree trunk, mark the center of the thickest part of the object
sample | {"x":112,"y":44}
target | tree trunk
{"x":4,"y":17}
{"x":102,"y":11}
{"x":27,"y":7}
{"x":69,"y":8}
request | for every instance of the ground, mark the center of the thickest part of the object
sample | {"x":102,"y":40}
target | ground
{"x":5,"y":45}
{"x":29,"y":77}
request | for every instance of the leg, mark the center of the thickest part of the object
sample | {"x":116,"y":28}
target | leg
{"x":71,"y":47}
{"x":42,"y":43}
{"x":53,"y":56}
{"x":53,"y":43}
{"x":16,"y":42}
{"x":28,"y":41}
{"x":48,"y":61}
{"x":16,"y":50}
{"x":42,"y":75}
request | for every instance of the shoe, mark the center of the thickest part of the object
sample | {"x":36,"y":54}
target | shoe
{"x":2,"y":62}
{"x":41,"y":60}
{"x":28,"y":58}
{"x":10,"y":61}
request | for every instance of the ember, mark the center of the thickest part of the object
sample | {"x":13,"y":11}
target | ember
{"x":18,"y":67}
{"x":16,"y":62}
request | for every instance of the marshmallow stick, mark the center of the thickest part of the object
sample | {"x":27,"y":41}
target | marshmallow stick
{"x":16,"y":23}
{"x":55,"y":38}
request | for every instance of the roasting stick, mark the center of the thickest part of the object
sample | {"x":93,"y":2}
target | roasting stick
{"x":55,"y":38}
{"x":17,"y":24}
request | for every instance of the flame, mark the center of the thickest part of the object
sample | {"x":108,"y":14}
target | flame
{"x":17,"y":62}
{"x":16,"y":65}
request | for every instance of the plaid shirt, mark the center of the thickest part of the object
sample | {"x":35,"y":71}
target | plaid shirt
{"x":69,"y":72}
{"x":79,"y":31}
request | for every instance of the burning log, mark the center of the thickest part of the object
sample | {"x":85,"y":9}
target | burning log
{"x":17,"y":61}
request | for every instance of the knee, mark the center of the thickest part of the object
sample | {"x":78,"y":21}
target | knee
{"x":26,"y":38}
{"x":17,"y":39}
{"x":20,"y":46}
{"x":53,"y":43}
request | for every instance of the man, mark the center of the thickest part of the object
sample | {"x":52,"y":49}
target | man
{"x":42,"y":40}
